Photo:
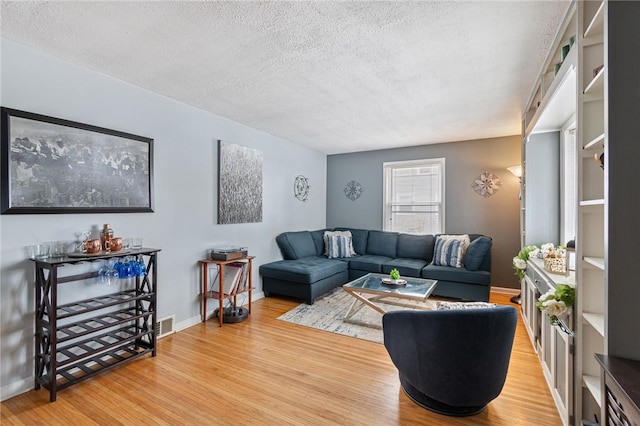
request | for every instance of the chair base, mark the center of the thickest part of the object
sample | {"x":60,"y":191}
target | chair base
{"x":436,"y":406}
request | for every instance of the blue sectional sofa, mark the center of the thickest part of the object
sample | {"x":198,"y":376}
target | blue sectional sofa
{"x":306,"y":273}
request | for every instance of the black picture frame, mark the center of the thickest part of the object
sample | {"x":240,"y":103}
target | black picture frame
{"x":51,"y":165}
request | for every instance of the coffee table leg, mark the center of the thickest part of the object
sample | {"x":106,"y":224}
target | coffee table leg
{"x":363,"y":301}
{"x":356,"y":305}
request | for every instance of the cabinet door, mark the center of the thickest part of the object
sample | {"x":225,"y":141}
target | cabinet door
{"x":556,"y":358}
{"x":562,"y":371}
{"x":530,"y":312}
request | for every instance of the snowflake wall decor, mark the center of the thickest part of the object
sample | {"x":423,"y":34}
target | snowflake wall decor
{"x":301,"y":188}
{"x":353,"y":190}
{"x":486,"y":184}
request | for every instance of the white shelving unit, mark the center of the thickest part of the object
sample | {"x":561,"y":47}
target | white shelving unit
{"x":552,"y":105}
{"x":607,"y":113}
{"x":591,"y":247}
{"x":606,"y":66}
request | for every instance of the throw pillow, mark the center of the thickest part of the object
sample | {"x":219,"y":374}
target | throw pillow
{"x":338,"y":244}
{"x":447,"y":306}
{"x":476,"y":252}
{"x":449,"y":250}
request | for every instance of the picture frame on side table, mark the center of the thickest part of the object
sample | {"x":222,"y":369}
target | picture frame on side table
{"x":52,"y":165}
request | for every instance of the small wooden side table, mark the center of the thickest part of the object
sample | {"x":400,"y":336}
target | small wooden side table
{"x":220,"y":295}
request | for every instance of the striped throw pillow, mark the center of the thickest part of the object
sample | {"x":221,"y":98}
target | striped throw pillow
{"x":339,"y":244}
{"x":449,"y":250}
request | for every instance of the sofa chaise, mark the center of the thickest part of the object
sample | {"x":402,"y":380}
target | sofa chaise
{"x":306,"y":272}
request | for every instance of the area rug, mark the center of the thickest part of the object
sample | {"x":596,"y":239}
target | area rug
{"x":327,"y":314}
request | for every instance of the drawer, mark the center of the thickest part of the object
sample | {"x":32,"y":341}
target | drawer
{"x":530,"y":271}
{"x":541,"y":283}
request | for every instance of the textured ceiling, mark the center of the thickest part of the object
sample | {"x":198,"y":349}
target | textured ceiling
{"x":335,"y":76}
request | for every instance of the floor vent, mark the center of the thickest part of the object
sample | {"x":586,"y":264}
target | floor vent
{"x":165,"y":326}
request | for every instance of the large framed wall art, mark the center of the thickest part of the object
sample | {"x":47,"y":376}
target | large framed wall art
{"x":51,"y":165}
{"x":239,"y":184}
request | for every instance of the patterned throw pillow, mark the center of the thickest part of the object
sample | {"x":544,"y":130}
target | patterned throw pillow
{"x":449,"y":250}
{"x":338,"y":244}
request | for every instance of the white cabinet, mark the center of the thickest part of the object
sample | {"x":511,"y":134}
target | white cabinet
{"x":553,"y":344}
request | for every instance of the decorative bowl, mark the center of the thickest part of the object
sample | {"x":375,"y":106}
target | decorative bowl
{"x":390,"y":281}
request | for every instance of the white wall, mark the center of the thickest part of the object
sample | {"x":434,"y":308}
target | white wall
{"x":185,"y":182}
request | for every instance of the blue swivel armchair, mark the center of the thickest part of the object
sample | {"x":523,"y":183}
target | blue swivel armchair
{"x":453,"y":362}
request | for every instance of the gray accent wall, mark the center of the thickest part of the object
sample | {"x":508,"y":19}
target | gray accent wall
{"x":465,"y":211}
{"x":184,"y":224}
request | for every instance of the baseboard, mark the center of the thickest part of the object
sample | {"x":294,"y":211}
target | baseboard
{"x":16,"y":388}
{"x":505,"y":290}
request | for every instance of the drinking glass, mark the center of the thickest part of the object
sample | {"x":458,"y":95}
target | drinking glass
{"x":124,"y":267}
{"x":137,"y":242}
{"x":58,"y":248}
{"x":118,"y":266}
{"x":39,"y":251}
{"x":140,"y":269}
{"x":107,"y":274}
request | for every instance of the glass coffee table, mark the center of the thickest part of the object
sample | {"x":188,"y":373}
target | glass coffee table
{"x":415,"y":289}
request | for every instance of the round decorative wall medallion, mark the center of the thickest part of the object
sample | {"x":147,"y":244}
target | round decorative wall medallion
{"x":353,"y":190}
{"x":486,"y":184}
{"x":301,"y":188}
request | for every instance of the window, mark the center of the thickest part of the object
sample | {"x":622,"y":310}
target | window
{"x":414,"y":196}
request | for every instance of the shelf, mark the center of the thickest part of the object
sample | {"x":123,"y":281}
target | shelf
{"x":101,"y":302}
{"x":595,"y":320}
{"x":598,"y":262}
{"x":96,"y":344}
{"x":592,"y":383}
{"x":596,"y":26}
{"x":591,"y":203}
{"x":216,"y":295}
{"x":559,"y":101}
{"x":595,"y":143}
{"x":88,"y":367}
{"x":596,"y":85}
{"x":91,"y":325}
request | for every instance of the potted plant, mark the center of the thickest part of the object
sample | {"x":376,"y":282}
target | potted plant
{"x":394,"y":278}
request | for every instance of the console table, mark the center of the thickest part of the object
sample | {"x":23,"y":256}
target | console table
{"x":77,"y":340}
{"x":220,"y":295}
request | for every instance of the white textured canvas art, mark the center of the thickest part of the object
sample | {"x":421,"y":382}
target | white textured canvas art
{"x":239,"y":184}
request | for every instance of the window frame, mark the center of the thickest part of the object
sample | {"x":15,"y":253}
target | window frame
{"x":568,"y":206}
{"x":387,"y":205}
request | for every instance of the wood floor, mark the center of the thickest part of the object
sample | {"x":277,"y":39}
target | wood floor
{"x":269,"y":372}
